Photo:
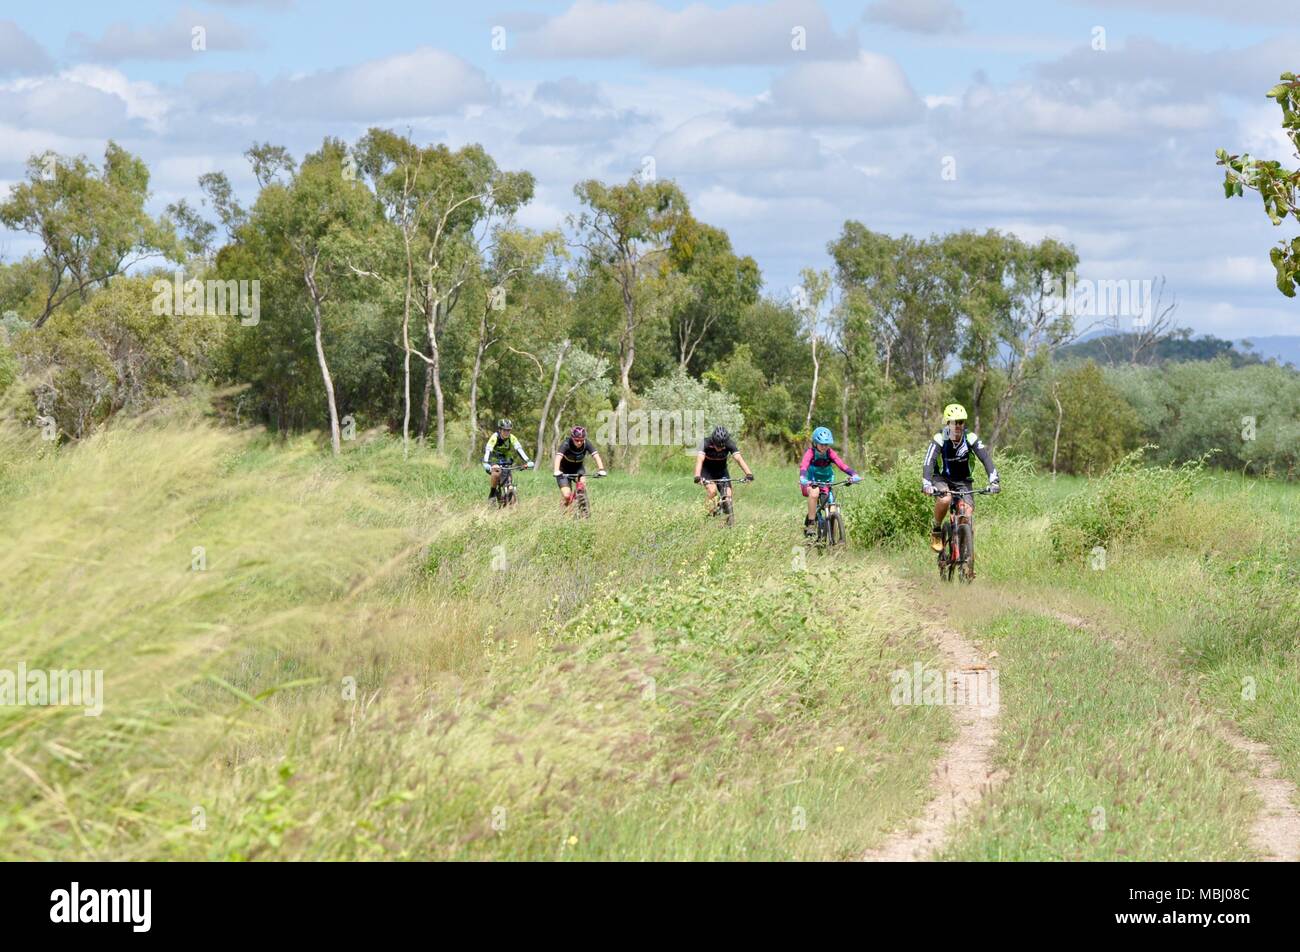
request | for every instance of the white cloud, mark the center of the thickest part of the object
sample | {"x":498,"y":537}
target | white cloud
{"x":711,"y":144}
{"x":19,"y":53}
{"x":422,"y":82}
{"x":173,"y":40}
{"x":694,"y":36}
{"x":869,"y":91}
{"x":918,"y":16}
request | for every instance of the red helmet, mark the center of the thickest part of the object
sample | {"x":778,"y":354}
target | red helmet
{"x":578,"y":433}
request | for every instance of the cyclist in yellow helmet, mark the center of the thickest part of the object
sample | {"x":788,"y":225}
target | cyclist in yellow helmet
{"x":947,"y":467}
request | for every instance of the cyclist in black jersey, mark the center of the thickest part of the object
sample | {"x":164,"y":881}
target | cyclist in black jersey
{"x":947,"y":467}
{"x":569,"y":460}
{"x":711,"y":463}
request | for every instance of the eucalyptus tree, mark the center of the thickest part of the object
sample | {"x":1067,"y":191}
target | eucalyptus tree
{"x":625,"y":231}
{"x":91,"y":223}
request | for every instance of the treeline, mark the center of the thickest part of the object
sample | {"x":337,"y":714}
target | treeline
{"x":388,"y":284}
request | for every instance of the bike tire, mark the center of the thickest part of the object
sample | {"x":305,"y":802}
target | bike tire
{"x":835,"y":523}
{"x":729,"y":511}
{"x":966,"y":545}
{"x":821,"y":529}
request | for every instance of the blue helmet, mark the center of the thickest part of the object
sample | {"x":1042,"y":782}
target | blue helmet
{"x":823,"y":435}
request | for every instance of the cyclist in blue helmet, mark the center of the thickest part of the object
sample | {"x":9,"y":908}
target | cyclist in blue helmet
{"x":816,"y":467}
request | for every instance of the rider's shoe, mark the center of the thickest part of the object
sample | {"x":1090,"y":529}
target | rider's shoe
{"x":936,"y":539}
{"x":809,"y":529}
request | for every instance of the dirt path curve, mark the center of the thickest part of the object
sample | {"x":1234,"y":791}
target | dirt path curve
{"x":1275,"y":834}
{"x":965,"y":772}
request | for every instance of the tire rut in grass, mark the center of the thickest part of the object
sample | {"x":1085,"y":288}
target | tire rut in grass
{"x":963,"y":775}
{"x":1275,"y":832}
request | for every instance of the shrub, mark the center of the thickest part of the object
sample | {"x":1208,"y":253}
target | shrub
{"x":894,"y":511}
{"x":1119,"y":506}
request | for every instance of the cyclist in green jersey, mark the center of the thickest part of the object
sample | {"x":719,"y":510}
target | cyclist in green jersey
{"x":502,"y":448}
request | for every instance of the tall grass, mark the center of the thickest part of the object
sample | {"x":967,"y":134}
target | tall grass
{"x":357,"y":658}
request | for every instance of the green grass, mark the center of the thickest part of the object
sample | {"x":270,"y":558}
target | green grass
{"x":375,"y":664}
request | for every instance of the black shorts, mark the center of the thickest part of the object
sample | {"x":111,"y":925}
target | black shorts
{"x":565,"y":479}
{"x":714,"y":470}
{"x":943,"y":484}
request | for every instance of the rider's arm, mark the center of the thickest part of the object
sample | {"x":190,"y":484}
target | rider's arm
{"x":699,"y":463}
{"x":487,"y":450}
{"x":556,"y":467}
{"x":844,"y":467}
{"x":739,"y":459}
{"x":986,"y":458}
{"x":805,"y":463}
{"x":600,"y":465}
{"x":519,"y":448}
{"x":928,"y":468}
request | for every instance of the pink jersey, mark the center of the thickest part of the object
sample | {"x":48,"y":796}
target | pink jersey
{"x":822,"y":472}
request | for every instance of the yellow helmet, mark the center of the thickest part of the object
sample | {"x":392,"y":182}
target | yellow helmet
{"x":954,"y":411}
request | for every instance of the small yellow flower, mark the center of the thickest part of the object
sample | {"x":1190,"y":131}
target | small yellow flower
{"x":839,"y":749}
{"x":573,"y":841}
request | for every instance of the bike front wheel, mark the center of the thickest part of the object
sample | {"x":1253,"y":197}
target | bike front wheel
{"x":966,"y":545}
{"x":835,"y":528}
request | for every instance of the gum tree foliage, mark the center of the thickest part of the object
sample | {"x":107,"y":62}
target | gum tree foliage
{"x":113,"y":354}
{"x":624,"y":230}
{"x":1275,"y":184}
{"x":91,"y":223}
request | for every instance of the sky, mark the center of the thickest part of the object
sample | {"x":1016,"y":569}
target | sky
{"x":1091,"y":121}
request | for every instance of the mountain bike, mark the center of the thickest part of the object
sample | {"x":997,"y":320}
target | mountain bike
{"x":506,"y":495}
{"x":580,"y":503}
{"x":726,"y":504}
{"x":958,"y":552}
{"x":829,"y":520}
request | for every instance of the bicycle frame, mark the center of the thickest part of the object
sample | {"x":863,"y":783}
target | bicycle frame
{"x":950,"y":554}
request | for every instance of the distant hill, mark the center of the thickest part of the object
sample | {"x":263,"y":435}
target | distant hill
{"x":1285,"y":348}
{"x":1114,"y":348}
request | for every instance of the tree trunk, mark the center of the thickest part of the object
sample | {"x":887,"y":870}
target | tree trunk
{"x":550,"y":395}
{"x":473,"y":385}
{"x":324,"y":366}
{"x":628,"y":354}
{"x":844,"y":416}
{"x":433,"y":375}
{"x":812,"y":398}
{"x":1056,"y":440}
{"x":406,"y":350}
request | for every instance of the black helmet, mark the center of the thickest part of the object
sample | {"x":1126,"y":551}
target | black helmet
{"x":720,"y":436}
{"x":504,"y":424}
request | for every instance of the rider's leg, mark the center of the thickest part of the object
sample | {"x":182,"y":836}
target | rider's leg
{"x":710,"y":491}
{"x":567,"y":492}
{"x":813,"y":493}
{"x":941,"y":504}
{"x":493,"y":478}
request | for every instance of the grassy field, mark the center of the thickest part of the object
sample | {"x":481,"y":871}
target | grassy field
{"x":309,"y":658}
{"x":364,"y":661}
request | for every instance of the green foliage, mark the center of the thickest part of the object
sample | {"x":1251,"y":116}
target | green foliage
{"x":91,"y":222}
{"x":114,"y":354}
{"x":1275,"y":184}
{"x":1097,"y":426}
{"x":894,"y":511}
{"x":1244,"y":418}
{"x":1119,"y":506}
{"x":683,"y":394}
